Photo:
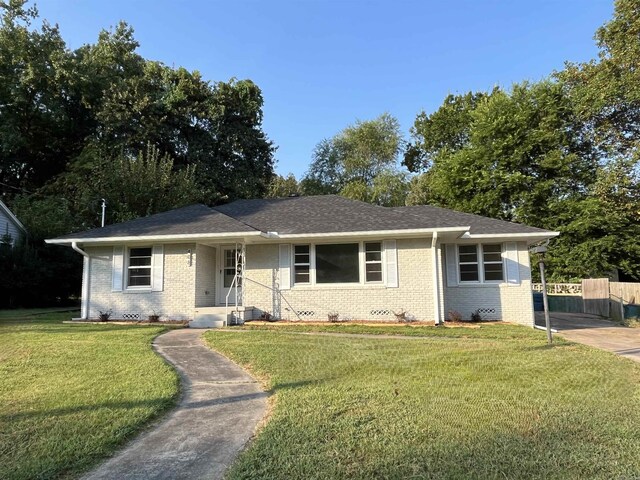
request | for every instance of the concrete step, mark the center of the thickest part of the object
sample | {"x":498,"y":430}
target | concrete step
{"x":216,"y":317}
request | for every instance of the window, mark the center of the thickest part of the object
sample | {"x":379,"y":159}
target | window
{"x":492,"y":263}
{"x":373,"y":261}
{"x":139,"y":267}
{"x":301,"y":263}
{"x":468,"y":261}
{"x":337,"y":263}
{"x":473,"y":259}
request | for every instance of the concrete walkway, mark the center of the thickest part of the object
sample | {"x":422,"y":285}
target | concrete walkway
{"x":596,"y":332}
{"x":220,"y":408}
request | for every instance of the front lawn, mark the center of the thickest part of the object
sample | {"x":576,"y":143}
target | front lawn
{"x":500,"y":405}
{"x":71,"y":394}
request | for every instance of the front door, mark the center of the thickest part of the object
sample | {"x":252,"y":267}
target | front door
{"x":228,"y":262}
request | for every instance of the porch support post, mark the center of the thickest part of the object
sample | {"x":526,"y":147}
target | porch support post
{"x":435,"y":249}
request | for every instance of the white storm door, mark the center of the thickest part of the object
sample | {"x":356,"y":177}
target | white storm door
{"x":227,"y":262}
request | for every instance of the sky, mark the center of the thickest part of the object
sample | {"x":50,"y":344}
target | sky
{"x":322,"y":65}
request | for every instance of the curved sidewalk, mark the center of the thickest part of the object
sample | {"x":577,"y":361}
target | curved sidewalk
{"x":216,"y":416}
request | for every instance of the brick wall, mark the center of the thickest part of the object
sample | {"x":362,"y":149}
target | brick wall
{"x":175,"y":302}
{"x":357,"y":302}
{"x":512,"y":303}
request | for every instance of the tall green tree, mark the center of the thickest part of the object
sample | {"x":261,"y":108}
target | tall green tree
{"x":521,"y":151}
{"x":58,"y":105}
{"x":360,"y":162}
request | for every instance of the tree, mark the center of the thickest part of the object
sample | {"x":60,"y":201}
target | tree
{"x":524,"y":151}
{"x":359,"y":163}
{"x":607,"y":91}
{"x":58,"y":105}
{"x":133,"y":186}
{"x":283,"y":186}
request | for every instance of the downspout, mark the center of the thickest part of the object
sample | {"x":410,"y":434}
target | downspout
{"x":436,"y":282}
{"x":86,"y":265}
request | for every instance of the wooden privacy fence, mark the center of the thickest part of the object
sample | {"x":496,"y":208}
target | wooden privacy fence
{"x":595,"y":296}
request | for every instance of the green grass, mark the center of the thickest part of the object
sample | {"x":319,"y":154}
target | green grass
{"x":479,"y":406}
{"x":484,"y":330}
{"x":71,"y":394}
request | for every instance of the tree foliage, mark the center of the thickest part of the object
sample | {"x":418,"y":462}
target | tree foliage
{"x":360,"y":162}
{"x":56,"y":103}
{"x":102,"y":121}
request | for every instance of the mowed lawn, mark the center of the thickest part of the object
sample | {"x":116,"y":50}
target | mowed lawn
{"x":493,"y":402}
{"x":71,"y":394}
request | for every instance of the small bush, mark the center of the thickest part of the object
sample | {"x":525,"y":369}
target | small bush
{"x":475,"y":317}
{"x":104,"y":316}
{"x":334,"y":317}
{"x":454,"y":316}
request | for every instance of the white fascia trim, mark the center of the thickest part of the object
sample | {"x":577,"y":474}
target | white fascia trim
{"x":159,"y":238}
{"x":512,"y":235}
{"x":368,"y":233}
{"x":12,"y":217}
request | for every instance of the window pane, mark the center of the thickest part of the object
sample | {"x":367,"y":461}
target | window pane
{"x":492,"y":257}
{"x":374,"y":272}
{"x":302,"y":258}
{"x":139,"y":281}
{"x":337,"y":263}
{"x":373,"y":247}
{"x":492,"y":248}
{"x":140,"y":261}
{"x":469,"y":273}
{"x":301,"y":274}
{"x":302,"y":249}
{"x":373,"y":256}
{"x":468,"y":249}
{"x":302,"y":277}
{"x":493,"y":271}
{"x":140,"y":252}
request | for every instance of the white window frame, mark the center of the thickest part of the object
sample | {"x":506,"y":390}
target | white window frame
{"x":129,"y":267}
{"x":374,"y":262}
{"x":301,"y":264}
{"x":480,"y":263}
{"x":502,"y":262}
{"x":361,"y":265}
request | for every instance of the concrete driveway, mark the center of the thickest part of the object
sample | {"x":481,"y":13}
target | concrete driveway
{"x":221,"y":406}
{"x":596,"y":332}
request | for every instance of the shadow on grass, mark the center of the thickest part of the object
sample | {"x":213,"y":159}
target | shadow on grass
{"x":157,"y":403}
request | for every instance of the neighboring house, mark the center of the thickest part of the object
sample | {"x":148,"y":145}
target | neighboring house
{"x":303,"y":257}
{"x":10,"y":226}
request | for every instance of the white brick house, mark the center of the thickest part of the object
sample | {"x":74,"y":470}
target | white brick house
{"x":10,"y":227}
{"x":304,"y":257}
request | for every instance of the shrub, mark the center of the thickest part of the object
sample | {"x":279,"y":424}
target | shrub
{"x":104,"y":316}
{"x":454,"y":316}
{"x":475,"y":317}
{"x":334,"y":317}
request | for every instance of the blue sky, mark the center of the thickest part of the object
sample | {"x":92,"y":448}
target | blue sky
{"x":322,"y":65}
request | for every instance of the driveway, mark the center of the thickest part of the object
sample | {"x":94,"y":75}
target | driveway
{"x":596,"y":332}
{"x":217,"y":415}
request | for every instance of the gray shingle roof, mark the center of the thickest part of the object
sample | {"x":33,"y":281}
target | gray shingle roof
{"x":317,"y":214}
{"x":300,"y":215}
{"x":193,"y":219}
{"x":441,"y":217}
